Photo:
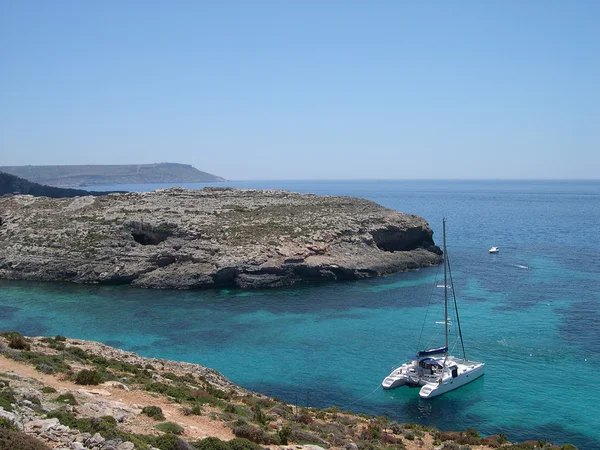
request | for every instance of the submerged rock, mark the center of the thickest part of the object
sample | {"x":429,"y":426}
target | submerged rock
{"x":215,"y":237}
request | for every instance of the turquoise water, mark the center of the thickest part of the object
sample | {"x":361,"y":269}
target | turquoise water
{"x":531,"y":312}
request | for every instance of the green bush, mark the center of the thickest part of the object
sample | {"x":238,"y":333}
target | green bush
{"x":48,"y":390}
{"x":211,"y":443}
{"x":88,"y":377}
{"x":170,"y":427}
{"x":306,"y":437}
{"x":450,"y":446}
{"x":48,"y":364}
{"x":568,"y":447}
{"x":15,"y":440}
{"x":105,"y":425}
{"x":197,"y":410}
{"x":79,"y":353}
{"x":253,"y":433}
{"x":16,"y":341}
{"x":243,"y":444}
{"x":230,"y":408}
{"x":259,"y":415}
{"x":67,"y":398}
{"x":7,"y":396}
{"x":284,"y":434}
{"x":7,"y":424}
{"x":170,"y":442}
{"x":65,"y":418}
{"x":153,"y":411}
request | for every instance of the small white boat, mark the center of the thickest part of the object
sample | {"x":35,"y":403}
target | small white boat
{"x":434,"y":370}
{"x":494,"y":250}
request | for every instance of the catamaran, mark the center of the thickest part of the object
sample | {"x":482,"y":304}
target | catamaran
{"x":434,"y":369}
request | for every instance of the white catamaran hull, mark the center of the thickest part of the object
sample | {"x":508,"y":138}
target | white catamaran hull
{"x":449,"y":383}
{"x":435,"y":369}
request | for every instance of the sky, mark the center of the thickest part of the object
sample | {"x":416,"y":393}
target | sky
{"x":325,"y":89}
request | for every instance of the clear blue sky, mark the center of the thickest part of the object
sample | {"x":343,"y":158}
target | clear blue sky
{"x":305,"y":89}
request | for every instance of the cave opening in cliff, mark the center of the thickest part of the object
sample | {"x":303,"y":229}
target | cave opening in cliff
{"x":145,"y":239}
{"x":149,"y":234}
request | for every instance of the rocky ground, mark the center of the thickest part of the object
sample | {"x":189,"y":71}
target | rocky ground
{"x":58,"y":393}
{"x":215,"y":237}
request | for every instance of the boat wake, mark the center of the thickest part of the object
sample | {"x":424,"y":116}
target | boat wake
{"x":521,"y":267}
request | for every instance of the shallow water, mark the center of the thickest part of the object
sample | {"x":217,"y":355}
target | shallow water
{"x":531,"y":312}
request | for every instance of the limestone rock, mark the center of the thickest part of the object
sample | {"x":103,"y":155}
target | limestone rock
{"x":41,"y":424}
{"x":215,"y":237}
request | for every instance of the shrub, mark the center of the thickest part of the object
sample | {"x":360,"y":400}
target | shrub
{"x":33,"y":399}
{"x":303,"y":436}
{"x":304,"y":418}
{"x":211,"y":443}
{"x":373,"y":431}
{"x":472,"y":433}
{"x":88,"y":377}
{"x":60,"y":338}
{"x":15,"y":440}
{"x":67,"y":398}
{"x":105,"y":425}
{"x":568,"y":447}
{"x":230,"y":408}
{"x":16,"y":341}
{"x":196,"y":410}
{"x":65,"y":418}
{"x":170,"y":427}
{"x":48,"y":390}
{"x":284,"y":434}
{"x":243,"y":444}
{"x":170,"y":442}
{"x":396,"y":428}
{"x":259,"y":415}
{"x":450,"y":446}
{"x":79,"y":353}
{"x":7,"y":397}
{"x":154,"y":412}
{"x":7,"y":424}
{"x":252,"y":433}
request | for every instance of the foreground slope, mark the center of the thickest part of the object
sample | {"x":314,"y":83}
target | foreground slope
{"x":215,"y":237}
{"x":78,"y":395}
{"x":95,"y":175}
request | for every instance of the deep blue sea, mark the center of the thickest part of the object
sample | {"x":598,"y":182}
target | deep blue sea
{"x":531,"y":312}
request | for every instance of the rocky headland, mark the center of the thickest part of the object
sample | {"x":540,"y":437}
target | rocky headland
{"x":215,"y":237}
{"x":13,"y":185}
{"x":103,"y":174}
{"x":69,"y":394}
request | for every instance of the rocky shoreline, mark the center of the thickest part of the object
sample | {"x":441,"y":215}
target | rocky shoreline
{"x":215,"y":237}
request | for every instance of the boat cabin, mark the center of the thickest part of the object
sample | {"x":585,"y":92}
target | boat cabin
{"x":430,"y":365}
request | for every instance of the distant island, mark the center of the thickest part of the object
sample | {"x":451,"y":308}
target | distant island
{"x":210,"y":238}
{"x":13,"y":185}
{"x":99,"y":175}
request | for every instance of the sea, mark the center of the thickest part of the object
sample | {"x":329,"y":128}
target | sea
{"x":531,"y":312}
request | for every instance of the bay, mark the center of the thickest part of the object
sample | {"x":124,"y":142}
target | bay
{"x":531,"y":312}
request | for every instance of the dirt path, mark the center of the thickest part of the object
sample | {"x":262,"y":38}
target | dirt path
{"x":195,"y":426}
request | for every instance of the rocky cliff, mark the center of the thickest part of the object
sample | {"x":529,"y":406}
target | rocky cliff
{"x":215,"y":237}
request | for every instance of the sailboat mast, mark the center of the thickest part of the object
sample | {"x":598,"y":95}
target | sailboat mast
{"x":445,"y":287}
